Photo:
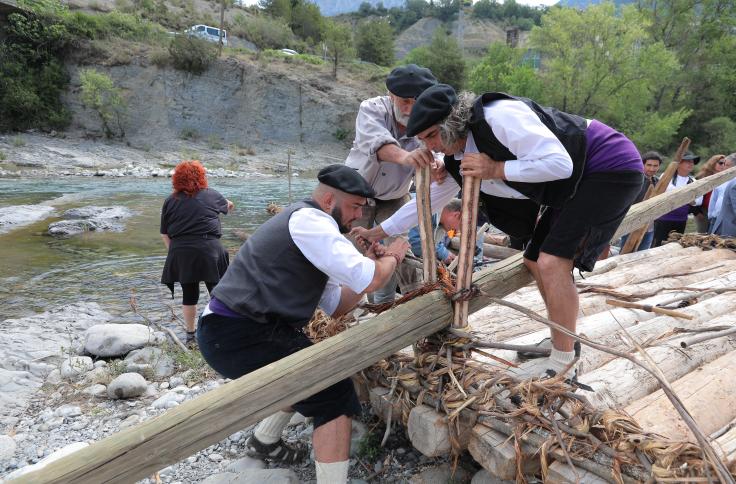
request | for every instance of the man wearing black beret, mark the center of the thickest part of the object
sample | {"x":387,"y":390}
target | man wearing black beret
{"x":385,"y":155}
{"x":295,"y":262}
{"x":585,"y":174}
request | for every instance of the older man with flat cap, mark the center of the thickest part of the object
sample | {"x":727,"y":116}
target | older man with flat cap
{"x":294,"y":263}
{"x":384,"y":154}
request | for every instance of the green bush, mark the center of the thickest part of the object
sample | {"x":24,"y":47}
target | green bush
{"x":32,"y":75}
{"x":114,"y":24}
{"x":264,"y":32}
{"x":160,"y":57}
{"x":191,"y":54}
{"x":100,"y":95}
{"x":189,"y":133}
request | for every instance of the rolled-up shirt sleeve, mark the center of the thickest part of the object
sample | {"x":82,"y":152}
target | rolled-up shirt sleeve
{"x":406,"y":217}
{"x":371,"y":132}
{"x":316,"y":234}
{"x":540,"y":156}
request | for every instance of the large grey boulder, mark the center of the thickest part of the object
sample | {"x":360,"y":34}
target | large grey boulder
{"x":90,"y":219}
{"x":127,"y":385}
{"x":161,"y":364}
{"x":119,"y":339}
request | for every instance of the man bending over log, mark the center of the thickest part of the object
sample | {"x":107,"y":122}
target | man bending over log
{"x":584,"y":174}
{"x":292,"y":264}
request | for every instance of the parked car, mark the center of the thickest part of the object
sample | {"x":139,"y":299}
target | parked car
{"x":210,"y":34}
{"x":289,"y":52}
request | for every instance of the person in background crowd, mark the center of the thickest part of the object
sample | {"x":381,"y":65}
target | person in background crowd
{"x":715,"y":164}
{"x":652,"y":161}
{"x":448,"y":226}
{"x":720,"y":219}
{"x":676,"y":220}
{"x":191,"y":231}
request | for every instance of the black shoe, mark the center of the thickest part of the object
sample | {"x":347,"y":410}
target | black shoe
{"x":191,"y":341}
{"x":545,"y":344}
{"x":279,"y":451}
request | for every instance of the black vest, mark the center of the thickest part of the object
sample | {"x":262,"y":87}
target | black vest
{"x":270,"y":280}
{"x":513,"y":216}
{"x":568,"y":128}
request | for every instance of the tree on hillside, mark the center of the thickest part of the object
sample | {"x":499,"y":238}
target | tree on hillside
{"x":443,"y":57}
{"x":101,"y":96}
{"x":306,"y":21}
{"x":374,"y":42}
{"x":701,"y":34}
{"x":503,"y":69}
{"x":403,"y":18}
{"x":603,"y":64}
{"x":338,"y":39}
{"x":277,"y":8}
{"x":445,"y":10}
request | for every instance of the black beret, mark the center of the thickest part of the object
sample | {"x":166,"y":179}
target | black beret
{"x":689,"y":155}
{"x":409,"y":81}
{"x":431,"y":108}
{"x":345,"y":179}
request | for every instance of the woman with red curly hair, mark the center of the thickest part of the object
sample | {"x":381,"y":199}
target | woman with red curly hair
{"x":191,"y":230}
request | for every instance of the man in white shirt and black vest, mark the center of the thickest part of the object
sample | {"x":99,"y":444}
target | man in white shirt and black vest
{"x":295,"y":262}
{"x":584,"y":175}
{"x":384,"y":154}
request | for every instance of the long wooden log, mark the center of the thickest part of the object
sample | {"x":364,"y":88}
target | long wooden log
{"x":726,"y":443}
{"x":708,"y":393}
{"x":608,"y":327}
{"x":182,"y":431}
{"x":489,"y":250}
{"x":426,"y":232}
{"x":620,"y":382}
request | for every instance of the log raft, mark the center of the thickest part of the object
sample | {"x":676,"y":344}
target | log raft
{"x":152,"y":445}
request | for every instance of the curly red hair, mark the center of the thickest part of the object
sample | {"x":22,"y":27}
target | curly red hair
{"x":189,"y":178}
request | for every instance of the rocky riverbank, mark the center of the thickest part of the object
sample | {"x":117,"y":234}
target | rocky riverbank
{"x":38,"y":155}
{"x":73,"y":376}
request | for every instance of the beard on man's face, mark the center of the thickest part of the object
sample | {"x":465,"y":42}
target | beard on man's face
{"x":336,"y":213}
{"x":401,"y":118}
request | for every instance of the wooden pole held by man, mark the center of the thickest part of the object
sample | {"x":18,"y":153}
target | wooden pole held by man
{"x":468,"y":221}
{"x":424,"y":213}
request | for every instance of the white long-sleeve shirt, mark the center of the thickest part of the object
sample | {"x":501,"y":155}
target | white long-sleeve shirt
{"x":317,"y":235}
{"x":540,"y":157}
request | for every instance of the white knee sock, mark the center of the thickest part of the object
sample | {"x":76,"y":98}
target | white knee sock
{"x":333,"y":472}
{"x":560,"y":359}
{"x":269,"y":430}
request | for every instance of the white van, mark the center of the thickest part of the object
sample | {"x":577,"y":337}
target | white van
{"x":211,"y":34}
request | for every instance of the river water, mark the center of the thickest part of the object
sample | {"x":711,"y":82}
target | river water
{"x":39,"y":272}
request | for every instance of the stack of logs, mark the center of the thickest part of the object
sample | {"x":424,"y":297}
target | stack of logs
{"x":625,"y":430}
